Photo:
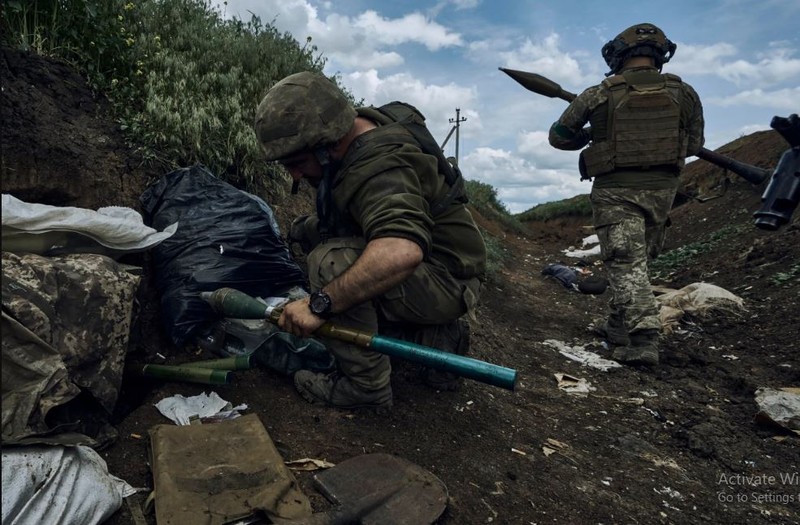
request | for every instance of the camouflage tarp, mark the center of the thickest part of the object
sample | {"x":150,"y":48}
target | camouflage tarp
{"x":66,"y":323}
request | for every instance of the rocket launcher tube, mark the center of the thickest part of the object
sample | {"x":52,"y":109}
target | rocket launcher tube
{"x":189,"y":374}
{"x":233,"y":303}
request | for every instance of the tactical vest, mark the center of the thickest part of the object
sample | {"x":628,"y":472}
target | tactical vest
{"x":644,"y":127}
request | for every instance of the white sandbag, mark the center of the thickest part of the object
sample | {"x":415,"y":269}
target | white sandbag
{"x":58,"y":485}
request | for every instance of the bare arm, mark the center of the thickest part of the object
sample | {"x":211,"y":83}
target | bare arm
{"x":384,"y":263}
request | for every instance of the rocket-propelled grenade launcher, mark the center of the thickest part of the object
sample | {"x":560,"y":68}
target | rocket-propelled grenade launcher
{"x":235,"y":304}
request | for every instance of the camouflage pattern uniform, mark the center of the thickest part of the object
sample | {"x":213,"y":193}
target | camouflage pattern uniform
{"x":630,"y":206}
{"x":384,"y":188}
{"x":66,"y":324}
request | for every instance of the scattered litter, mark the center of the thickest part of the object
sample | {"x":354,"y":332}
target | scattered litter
{"x":672,"y":493}
{"x":552,"y":446}
{"x":582,"y":253}
{"x":136,"y":436}
{"x":180,"y":409}
{"x":592,"y":239}
{"x":779,"y":406}
{"x":656,"y":414}
{"x":583,"y":356}
{"x":573,"y":385}
{"x":729,"y":357}
{"x":309,"y":464}
{"x":498,"y":489}
{"x":516,"y":451}
{"x":160,"y":356}
{"x":662,"y":462}
{"x":586,"y":252}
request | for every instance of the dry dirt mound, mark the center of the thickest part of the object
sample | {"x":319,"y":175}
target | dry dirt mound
{"x":645,"y":446}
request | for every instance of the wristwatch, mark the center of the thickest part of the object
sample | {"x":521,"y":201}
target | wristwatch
{"x":320,"y":304}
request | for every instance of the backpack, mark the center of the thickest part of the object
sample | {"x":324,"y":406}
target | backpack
{"x":644,"y":127}
{"x":412,"y":120}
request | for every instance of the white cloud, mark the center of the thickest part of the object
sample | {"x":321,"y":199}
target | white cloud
{"x":359,"y":41}
{"x":436,"y":102}
{"x":544,"y":57}
{"x":781,"y":99}
{"x":771,"y":68}
{"x":413,"y":27}
{"x":752,"y":128}
{"x":520,"y":184}
{"x":534,"y":146}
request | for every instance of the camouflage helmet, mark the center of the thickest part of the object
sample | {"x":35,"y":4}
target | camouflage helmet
{"x":304,"y":111}
{"x":638,"y":40}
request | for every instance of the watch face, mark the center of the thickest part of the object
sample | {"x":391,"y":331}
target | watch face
{"x":320,"y":303}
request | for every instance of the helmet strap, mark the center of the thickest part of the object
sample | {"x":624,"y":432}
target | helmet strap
{"x":324,"y":197}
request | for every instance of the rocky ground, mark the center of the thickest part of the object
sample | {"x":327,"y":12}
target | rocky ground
{"x":679,"y":443}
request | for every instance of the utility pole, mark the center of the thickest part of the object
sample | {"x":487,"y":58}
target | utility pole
{"x":457,"y":124}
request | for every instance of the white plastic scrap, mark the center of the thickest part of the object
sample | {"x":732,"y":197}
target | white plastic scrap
{"x":583,"y":356}
{"x":180,"y":409}
{"x":574,"y":385}
{"x":583,"y":253}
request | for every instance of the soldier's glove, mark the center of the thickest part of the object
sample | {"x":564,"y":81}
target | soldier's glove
{"x":304,"y":232}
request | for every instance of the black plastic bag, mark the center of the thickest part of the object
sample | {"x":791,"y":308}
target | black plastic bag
{"x":225,"y":238}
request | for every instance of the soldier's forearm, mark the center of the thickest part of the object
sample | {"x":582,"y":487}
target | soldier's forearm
{"x":384,"y":263}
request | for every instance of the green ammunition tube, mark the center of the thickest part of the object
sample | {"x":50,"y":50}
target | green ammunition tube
{"x":235,"y":362}
{"x":187,"y":373}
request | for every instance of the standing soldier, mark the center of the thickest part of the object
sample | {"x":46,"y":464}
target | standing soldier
{"x":392,"y":245}
{"x":643,"y":125}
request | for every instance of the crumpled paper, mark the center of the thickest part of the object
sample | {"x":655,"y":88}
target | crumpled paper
{"x":181,"y":409}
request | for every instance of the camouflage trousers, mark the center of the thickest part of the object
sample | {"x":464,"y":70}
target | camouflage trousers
{"x":630,"y":225}
{"x":430,"y":296}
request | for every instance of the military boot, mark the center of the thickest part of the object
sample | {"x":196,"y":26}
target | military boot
{"x":612,"y":330}
{"x":643,"y":349}
{"x":452,"y":338}
{"x":337,"y":390}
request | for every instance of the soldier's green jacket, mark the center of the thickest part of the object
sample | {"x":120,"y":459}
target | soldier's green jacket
{"x":591,"y":106}
{"x":385,"y":186}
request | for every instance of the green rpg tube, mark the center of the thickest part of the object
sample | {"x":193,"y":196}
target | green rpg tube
{"x":233,"y":303}
{"x":476,"y":369}
{"x":236,"y":362}
{"x":187,"y":373}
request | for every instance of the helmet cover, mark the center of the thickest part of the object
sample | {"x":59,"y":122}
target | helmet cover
{"x":638,"y":40}
{"x":303,"y":111}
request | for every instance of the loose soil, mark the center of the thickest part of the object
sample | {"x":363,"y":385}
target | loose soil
{"x":675,"y":444}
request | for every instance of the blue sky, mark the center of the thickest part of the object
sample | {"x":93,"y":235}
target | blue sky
{"x":742,"y":57}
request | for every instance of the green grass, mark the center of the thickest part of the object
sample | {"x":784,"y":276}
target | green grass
{"x":792,"y":274}
{"x":667,"y":263}
{"x":578,"y":206}
{"x":483,"y":198}
{"x":183,"y":81}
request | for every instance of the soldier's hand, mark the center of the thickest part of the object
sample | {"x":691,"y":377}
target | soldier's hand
{"x":297,"y":319}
